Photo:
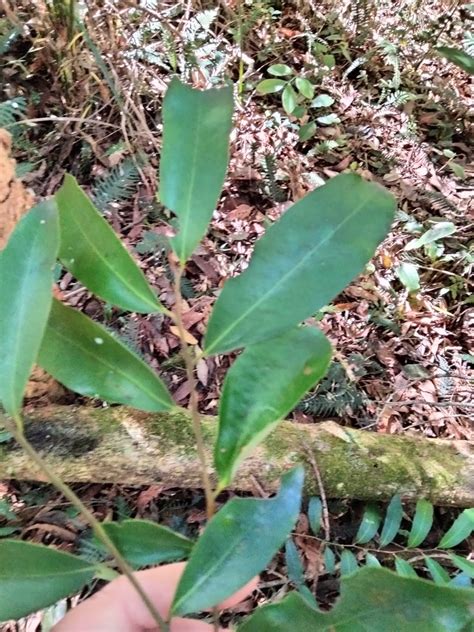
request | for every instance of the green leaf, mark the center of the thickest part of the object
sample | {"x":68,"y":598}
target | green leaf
{"x":329,"y":119}
{"x":196,"y":129}
{"x":289,"y":98}
{"x":372,"y":561}
{"x":306,"y":131}
{"x":421,"y":523}
{"x":404,"y":569}
{"x":237,"y":544}
{"x":94,"y":254}
{"x":86,"y":358}
{"x":34,"y":576}
{"x":439,"y":231}
{"x":461,"y":529}
{"x":294,"y":566}
{"x":305,"y":87}
{"x":26,"y":281}
{"x":329,"y":560}
{"x":458,"y":170}
{"x":299,"y":111}
{"x":270,"y":86}
{"x":143,"y":543}
{"x":466,"y":566}
{"x":279,"y":70}
{"x":348,"y":563}
{"x":315,"y":514}
{"x":322,"y":101}
{"x":369,"y":526}
{"x":438,"y":573}
{"x":393,"y":520}
{"x":373,"y":600}
{"x":302,"y":262}
{"x":408,"y":275}
{"x":458,"y":57}
{"x":262,"y":386}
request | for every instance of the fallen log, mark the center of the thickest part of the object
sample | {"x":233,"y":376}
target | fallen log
{"x":119,"y":445}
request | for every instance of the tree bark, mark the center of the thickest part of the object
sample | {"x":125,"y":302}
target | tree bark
{"x":119,"y":445}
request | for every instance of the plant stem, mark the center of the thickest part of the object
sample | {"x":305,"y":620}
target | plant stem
{"x":99,"y":531}
{"x":190,"y":364}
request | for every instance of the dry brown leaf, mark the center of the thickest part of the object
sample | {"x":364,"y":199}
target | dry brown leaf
{"x":189,"y":338}
{"x":15,"y":200}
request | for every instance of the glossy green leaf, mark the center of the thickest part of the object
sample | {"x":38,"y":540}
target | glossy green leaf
{"x":329,"y":560}
{"x":439,"y":231}
{"x":373,"y":600}
{"x":279,"y":70}
{"x":262,"y":386}
{"x":289,"y":98}
{"x":348,"y":563}
{"x":307,"y":131}
{"x":408,"y":275}
{"x":86,"y":358}
{"x":305,"y":87}
{"x":237,"y":544}
{"x":369,"y":526}
{"x":461,"y":529}
{"x":302,"y":262}
{"x":393,"y":520}
{"x":144,"y":543}
{"x":270,"y":86}
{"x":372,"y":561}
{"x":421,"y":524}
{"x":94,"y":254}
{"x":34,"y":576}
{"x":26,"y":282}
{"x":315,"y":514}
{"x":466,"y":566}
{"x":196,"y":129}
{"x":438,"y":573}
{"x":322,"y":101}
{"x":404,"y":569}
{"x":459,"y":57}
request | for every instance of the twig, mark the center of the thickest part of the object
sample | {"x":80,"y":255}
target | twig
{"x":190,"y":364}
{"x":322,"y":493}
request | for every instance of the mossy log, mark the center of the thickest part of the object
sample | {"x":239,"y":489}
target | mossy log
{"x":119,"y":445}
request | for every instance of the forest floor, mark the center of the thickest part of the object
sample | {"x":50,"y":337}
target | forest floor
{"x":385,"y":105}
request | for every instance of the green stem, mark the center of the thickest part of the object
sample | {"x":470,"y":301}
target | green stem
{"x":99,"y":531}
{"x":190,"y":364}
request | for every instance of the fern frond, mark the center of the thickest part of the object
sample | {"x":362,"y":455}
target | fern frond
{"x":118,"y":185}
{"x":11,"y":110}
{"x":276,"y":193}
{"x":8,"y":38}
{"x":468,"y":43}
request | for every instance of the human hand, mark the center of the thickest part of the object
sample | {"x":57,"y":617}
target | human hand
{"x":118,"y":607}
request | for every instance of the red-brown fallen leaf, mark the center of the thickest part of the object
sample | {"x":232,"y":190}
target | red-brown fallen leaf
{"x":242,"y":211}
{"x":182,"y":392}
{"x":147,"y":495}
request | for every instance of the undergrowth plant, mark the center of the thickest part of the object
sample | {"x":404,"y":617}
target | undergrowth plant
{"x":297,"y":99}
{"x":303,"y":261}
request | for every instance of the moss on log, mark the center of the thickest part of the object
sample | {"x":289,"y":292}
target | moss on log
{"x":119,"y":445}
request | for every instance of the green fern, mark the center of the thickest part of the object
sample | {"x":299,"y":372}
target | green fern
{"x":334,"y":396}
{"x":11,"y":111}
{"x":8,"y":38}
{"x":118,"y":185}
{"x":380,"y":534}
{"x":276,"y":193}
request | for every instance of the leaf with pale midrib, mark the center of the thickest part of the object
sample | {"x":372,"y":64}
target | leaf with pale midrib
{"x":26,"y":281}
{"x":302,"y":262}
